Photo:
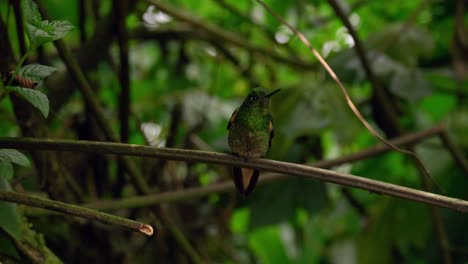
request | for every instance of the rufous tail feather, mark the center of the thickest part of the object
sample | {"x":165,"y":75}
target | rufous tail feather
{"x":245,"y":179}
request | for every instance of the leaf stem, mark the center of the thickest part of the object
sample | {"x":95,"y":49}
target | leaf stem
{"x":20,"y":63}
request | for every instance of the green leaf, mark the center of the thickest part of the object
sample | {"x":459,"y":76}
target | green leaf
{"x":39,"y":31}
{"x":47,"y":31}
{"x":31,"y":13}
{"x":36,"y":72}
{"x":268,"y":246}
{"x":36,"y":35}
{"x":282,"y":200}
{"x":58,"y":29}
{"x":395,"y":223}
{"x":410,"y":85}
{"x":6,"y":169}
{"x":7,"y":247}
{"x":14,"y":156}
{"x":10,"y":220}
{"x":36,"y":98}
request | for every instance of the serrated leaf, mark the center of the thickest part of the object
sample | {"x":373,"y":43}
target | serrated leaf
{"x":14,"y":156}
{"x":36,"y":72}
{"x":58,"y":28}
{"x":36,"y":35}
{"x":36,"y":98}
{"x":10,"y":220}
{"x":31,"y":13}
{"x":6,"y":169}
{"x":48,"y":31}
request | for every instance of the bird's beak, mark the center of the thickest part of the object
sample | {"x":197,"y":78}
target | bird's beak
{"x":272,"y":93}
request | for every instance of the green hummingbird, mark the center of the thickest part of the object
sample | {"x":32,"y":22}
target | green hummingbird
{"x":250,"y":134}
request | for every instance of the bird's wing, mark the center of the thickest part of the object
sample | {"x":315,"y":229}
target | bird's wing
{"x":272,"y":133}
{"x":233,"y":117}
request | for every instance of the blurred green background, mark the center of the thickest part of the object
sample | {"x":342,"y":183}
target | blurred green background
{"x":186,"y":77}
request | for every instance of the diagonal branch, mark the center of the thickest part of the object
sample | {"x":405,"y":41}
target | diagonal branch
{"x":383,"y":100}
{"x":220,"y":34}
{"x":225,"y":159}
{"x":91,"y":99}
{"x":69,"y":209}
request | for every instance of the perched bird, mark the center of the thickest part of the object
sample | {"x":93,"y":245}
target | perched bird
{"x":250,"y":134}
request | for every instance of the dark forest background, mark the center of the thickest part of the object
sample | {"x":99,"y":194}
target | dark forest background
{"x":170,"y":73}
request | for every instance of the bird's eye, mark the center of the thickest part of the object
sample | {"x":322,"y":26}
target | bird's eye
{"x":253,"y":98}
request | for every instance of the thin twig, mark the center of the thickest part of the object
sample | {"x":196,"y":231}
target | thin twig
{"x":269,"y":34}
{"x":120,"y":9}
{"x":343,"y":89}
{"x":393,"y":38}
{"x":186,"y":32}
{"x":435,"y":215}
{"x":222,"y":35}
{"x":91,"y":99}
{"x":220,"y":158}
{"x":454,"y":151}
{"x":69,"y":209}
{"x":370,"y":75}
{"x":19,"y":25}
{"x":82,"y":14}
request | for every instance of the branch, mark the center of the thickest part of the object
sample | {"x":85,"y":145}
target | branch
{"x":76,"y":211}
{"x":225,"y":159}
{"x":91,"y":99}
{"x":19,"y":26}
{"x":222,"y":35}
{"x":195,"y":192}
{"x":454,"y":151}
{"x":391,"y":115}
{"x":269,"y":34}
{"x":120,"y":9}
{"x":187,"y":32}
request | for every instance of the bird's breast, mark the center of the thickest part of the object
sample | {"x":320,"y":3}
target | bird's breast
{"x":248,"y":143}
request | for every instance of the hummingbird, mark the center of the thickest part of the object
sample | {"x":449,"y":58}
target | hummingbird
{"x":250,"y":134}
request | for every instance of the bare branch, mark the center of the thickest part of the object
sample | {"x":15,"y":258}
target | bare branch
{"x":91,"y":99}
{"x":222,"y":35}
{"x":194,"y":192}
{"x":225,"y":159}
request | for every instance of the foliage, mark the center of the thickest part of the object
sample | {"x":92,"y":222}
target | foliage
{"x":186,"y":78}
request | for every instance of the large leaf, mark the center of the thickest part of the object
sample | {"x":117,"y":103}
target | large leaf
{"x":31,"y":13}
{"x":283,"y":198}
{"x":410,"y":85}
{"x":36,"y":98}
{"x":408,"y":45}
{"x":7,"y":247}
{"x":14,"y":156}
{"x":57,"y":29}
{"x":10,"y":220}
{"x":395,"y":222}
{"x":6,"y":169}
{"x":268,"y":246}
{"x":47,"y":31}
{"x":36,"y":72}
{"x":39,"y":31}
